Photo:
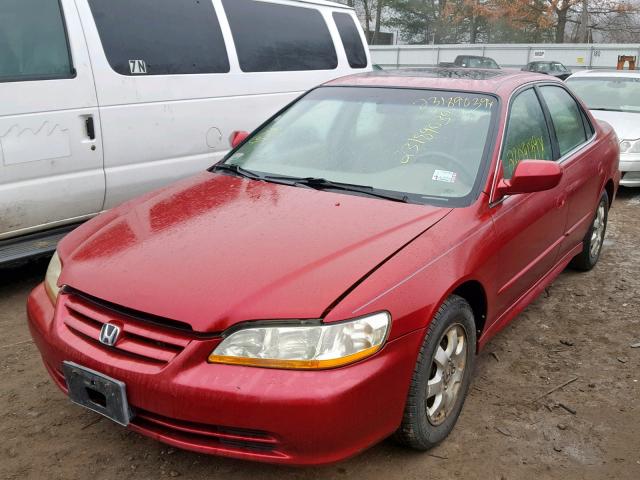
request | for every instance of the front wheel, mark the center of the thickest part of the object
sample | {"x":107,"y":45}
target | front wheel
{"x":441,"y":377}
{"x":593,"y":240}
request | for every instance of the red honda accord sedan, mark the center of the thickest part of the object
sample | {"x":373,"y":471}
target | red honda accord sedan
{"x":329,"y":283}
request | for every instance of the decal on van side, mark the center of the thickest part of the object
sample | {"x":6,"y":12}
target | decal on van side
{"x":22,"y":145}
{"x":138,"y":67}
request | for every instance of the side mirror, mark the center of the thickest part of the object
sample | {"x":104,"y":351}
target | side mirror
{"x":531,"y":176}
{"x":238,"y":137}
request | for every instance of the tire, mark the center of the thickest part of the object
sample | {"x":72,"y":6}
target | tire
{"x":422,"y":426}
{"x":593,"y":240}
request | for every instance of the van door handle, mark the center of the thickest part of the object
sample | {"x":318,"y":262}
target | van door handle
{"x":91,"y":128}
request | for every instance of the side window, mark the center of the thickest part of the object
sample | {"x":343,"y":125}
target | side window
{"x":160,"y":37}
{"x":33,"y":41}
{"x":271,"y":37}
{"x":566,"y":117}
{"x":527,"y":135}
{"x":351,"y":40}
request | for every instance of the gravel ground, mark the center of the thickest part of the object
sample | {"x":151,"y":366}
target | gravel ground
{"x":583,"y":327}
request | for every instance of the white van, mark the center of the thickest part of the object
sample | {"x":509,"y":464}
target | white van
{"x":102,"y":100}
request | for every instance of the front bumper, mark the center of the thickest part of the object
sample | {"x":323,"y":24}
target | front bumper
{"x":277,"y":416}
{"x":630,"y":168}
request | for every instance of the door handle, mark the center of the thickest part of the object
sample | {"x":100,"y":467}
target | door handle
{"x":91,"y":128}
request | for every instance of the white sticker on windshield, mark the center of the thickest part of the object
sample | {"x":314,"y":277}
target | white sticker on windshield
{"x":444,"y":176}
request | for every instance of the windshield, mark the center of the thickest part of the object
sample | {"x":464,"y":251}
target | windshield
{"x":608,"y":93}
{"x":426,"y":144}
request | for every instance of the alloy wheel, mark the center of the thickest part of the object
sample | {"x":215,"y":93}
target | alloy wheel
{"x":597,"y":235}
{"x":446,"y":374}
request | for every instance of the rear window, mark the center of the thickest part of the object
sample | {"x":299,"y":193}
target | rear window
{"x":351,"y":40}
{"x":482,"y":63}
{"x":33,"y":41}
{"x":271,"y":37}
{"x":160,"y":37}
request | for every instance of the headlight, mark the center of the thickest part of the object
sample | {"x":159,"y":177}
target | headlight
{"x":630,"y":146}
{"x":51,"y":278}
{"x":305,"y":347}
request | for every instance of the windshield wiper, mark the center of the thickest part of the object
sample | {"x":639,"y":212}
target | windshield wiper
{"x":602,"y":109}
{"x":311,"y":182}
{"x":324,"y":184}
{"x":243,"y":172}
{"x":237,"y":170}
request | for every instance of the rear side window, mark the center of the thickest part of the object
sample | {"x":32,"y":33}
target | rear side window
{"x":567,"y":118}
{"x":160,"y":37}
{"x":587,"y":124}
{"x":351,"y":40}
{"x":271,"y":37}
{"x":33,"y":41}
{"x":527,"y":133}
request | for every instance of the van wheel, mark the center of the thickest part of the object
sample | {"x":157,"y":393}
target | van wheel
{"x":593,"y":240}
{"x":441,"y":377}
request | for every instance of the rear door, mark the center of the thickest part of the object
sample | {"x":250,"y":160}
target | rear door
{"x":51,"y":168}
{"x":530,"y":227}
{"x":579,"y":159}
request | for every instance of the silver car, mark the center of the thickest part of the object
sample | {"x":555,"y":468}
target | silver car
{"x":614,"y":96}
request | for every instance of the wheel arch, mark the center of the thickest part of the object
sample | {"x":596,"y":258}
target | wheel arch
{"x":610,"y":188}
{"x":474,"y":293}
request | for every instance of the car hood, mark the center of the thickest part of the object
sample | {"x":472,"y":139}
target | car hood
{"x":625,"y":124}
{"x":216,"y":250}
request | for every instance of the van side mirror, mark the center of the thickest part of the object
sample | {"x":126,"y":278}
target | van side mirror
{"x":531,"y":176}
{"x":238,"y":137}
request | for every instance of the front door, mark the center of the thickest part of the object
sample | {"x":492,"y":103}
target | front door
{"x":51,"y":169}
{"x":530,"y":227}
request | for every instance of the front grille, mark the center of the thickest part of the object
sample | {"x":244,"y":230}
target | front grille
{"x":138,"y":339}
{"x":206,"y":437}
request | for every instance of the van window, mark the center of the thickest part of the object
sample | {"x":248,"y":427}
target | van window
{"x":160,"y":37}
{"x":271,"y":37}
{"x":351,"y":40}
{"x":33,"y":41}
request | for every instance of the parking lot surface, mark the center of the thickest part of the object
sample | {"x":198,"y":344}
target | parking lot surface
{"x":579,"y":333}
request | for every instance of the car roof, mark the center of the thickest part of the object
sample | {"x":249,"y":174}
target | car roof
{"x":476,"y":57}
{"x":444,"y":78}
{"x":607,"y":73}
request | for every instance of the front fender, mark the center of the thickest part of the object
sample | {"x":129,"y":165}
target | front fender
{"x":413,"y":284}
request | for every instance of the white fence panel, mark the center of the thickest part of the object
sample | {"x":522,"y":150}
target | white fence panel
{"x":574,"y":56}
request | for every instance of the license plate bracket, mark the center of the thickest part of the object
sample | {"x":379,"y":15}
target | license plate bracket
{"x":98,"y":392}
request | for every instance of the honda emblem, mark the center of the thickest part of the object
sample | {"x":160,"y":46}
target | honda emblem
{"x":109,"y":334}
